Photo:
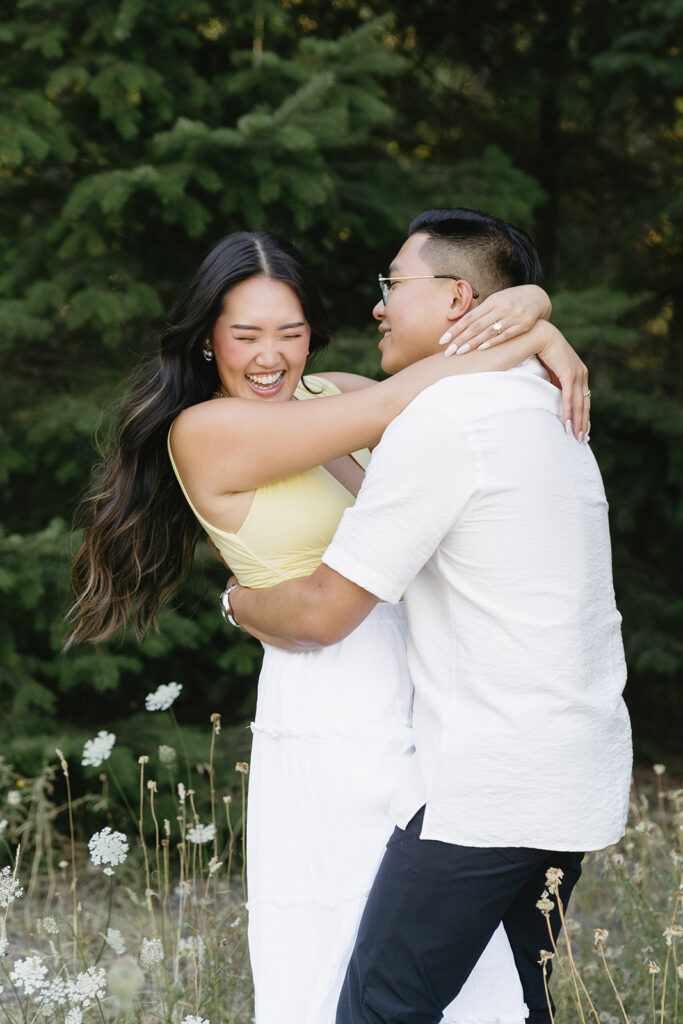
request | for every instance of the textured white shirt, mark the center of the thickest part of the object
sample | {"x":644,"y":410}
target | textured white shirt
{"x":492,"y":521}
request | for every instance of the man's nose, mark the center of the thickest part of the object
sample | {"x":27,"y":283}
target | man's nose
{"x":379,"y":310}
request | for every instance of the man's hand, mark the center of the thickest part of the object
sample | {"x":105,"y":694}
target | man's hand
{"x":304,"y":613}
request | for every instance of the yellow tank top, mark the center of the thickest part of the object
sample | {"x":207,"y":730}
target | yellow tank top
{"x":290,"y":522}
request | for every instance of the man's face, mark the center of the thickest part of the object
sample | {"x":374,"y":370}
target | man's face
{"x":416,"y":312}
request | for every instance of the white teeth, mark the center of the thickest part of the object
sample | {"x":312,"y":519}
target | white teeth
{"x":266,"y":379}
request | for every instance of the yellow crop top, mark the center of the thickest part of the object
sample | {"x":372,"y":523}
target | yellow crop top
{"x":290,"y":522}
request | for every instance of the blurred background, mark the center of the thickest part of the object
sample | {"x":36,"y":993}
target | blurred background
{"x":133,"y":135}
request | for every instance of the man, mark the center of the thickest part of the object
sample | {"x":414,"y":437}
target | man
{"x":491,"y":520}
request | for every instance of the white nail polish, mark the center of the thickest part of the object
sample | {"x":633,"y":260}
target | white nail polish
{"x":453,"y":347}
{"x":465,"y":348}
{"x":580,"y":437}
{"x":444,"y":338}
{"x":487,"y":344}
{"x":568,"y":426}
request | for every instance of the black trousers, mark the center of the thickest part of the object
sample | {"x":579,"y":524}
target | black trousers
{"x":430,"y":914}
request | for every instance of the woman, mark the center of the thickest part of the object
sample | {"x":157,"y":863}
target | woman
{"x":269,"y":485}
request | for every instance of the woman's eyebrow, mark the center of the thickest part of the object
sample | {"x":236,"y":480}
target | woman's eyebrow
{"x":251,"y":327}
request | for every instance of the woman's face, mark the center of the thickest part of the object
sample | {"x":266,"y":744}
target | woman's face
{"x":260,"y":340}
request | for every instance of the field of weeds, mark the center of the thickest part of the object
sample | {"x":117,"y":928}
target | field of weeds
{"x":145,"y":921}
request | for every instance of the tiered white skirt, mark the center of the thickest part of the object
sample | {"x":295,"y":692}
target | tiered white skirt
{"x":331,"y":729}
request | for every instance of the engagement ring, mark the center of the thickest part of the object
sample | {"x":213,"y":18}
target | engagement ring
{"x":498,"y":327}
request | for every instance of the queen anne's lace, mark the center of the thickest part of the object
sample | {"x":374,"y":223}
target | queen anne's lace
{"x":99,"y":749}
{"x":162,"y":698}
{"x":201,"y":833}
{"x":152,"y":952}
{"x":107,"y":847}
{"x":29,"y":974}
{"x":88,"y":986}
{"x":10,"y":888}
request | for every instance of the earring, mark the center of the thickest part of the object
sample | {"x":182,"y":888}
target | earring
{"x":207,"y":351}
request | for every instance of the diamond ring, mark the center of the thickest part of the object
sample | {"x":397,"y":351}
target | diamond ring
{"x":498,"y":327}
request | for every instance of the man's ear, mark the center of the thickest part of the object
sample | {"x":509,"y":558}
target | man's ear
{"x":462,"y":300}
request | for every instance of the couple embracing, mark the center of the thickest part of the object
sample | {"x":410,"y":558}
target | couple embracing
{"x":403,"y":810}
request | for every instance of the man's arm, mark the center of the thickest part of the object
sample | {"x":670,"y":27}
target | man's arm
{"x":302,"y":614}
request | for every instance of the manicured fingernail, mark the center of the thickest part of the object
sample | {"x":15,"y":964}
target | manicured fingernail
{"x":587,"y":438}
{"x":487,"y":344}
{"x":580,"y":437}
{"x":444,"y":338}
{"x":453,"y":347}
{"x":465,"y":348}
{"x":568,"y":426}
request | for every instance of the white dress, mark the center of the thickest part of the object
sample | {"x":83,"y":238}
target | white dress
{"x":330,"y":732}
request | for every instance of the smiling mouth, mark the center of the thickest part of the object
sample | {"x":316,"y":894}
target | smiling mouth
{"x":266,"y":382}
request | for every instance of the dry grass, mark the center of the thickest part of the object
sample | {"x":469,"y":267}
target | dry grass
{"x":181,"y":884}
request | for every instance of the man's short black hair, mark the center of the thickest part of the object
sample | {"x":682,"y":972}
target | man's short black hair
{"x":488,"y":252}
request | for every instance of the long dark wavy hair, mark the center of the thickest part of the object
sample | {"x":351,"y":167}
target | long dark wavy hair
{"x":141,"y":534}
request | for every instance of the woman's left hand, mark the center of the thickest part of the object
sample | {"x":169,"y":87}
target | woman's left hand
{"x":500,"y":317}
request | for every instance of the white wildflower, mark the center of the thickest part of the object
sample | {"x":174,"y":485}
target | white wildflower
{"x":4,"y":945}
{"x":653,"y":967}
{"x":3,"y":826}
{"x":193,"y":1020}
{"x":242,"y":767}
{"x":659,"y":769}
{"x":545,"y":957}
{"x":29,"y":974}
{"x":107,"y":847}
{"x":88,"y":986}
{"x":201,"y":833}
{"x":116,"y":940}
{"x":192,"y":947}
{"x":163,"y":696}
{"x":14,"y":798}
{"x":10,"y":889}
{"x":74,"y":1016}
{"x":182,"y":792}
{"x":152,"y":952}
{"x":618,"y":860}
{"x":600,"y":936}
{"x":167,"y":755}
{"x":50,"y":926}
{"x":98,"y":750}
{"x":125,"y":980}
{"x":55,"y":994}
{"x":680,"y":970}
{"x":643,"y":827}
{"x":673,"y":932}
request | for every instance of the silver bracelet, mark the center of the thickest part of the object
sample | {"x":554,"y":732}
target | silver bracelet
{"x":226,"y":610}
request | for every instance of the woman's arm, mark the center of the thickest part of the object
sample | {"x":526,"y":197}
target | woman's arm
{"x":229,"y":445}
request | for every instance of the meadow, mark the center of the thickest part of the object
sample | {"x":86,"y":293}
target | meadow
{"x":144,"y":918}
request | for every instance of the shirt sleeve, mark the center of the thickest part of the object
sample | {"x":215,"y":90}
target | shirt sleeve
{"x":422,"y":475}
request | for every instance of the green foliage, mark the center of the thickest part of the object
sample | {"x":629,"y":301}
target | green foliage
{"x":132,"y":136}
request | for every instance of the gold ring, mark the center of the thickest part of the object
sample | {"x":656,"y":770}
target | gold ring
{"x":587,"y":394}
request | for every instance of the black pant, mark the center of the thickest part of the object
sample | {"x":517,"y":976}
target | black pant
{"x":430,"y":914}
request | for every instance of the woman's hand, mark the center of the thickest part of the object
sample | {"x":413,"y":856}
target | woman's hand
{"x":570,"y":373}
{"x":500,"y":317}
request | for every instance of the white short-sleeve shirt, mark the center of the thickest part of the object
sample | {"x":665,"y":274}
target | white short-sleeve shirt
{"x":491,"y":520}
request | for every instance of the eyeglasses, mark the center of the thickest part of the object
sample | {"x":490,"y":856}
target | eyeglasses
{"x":385,"y":283}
